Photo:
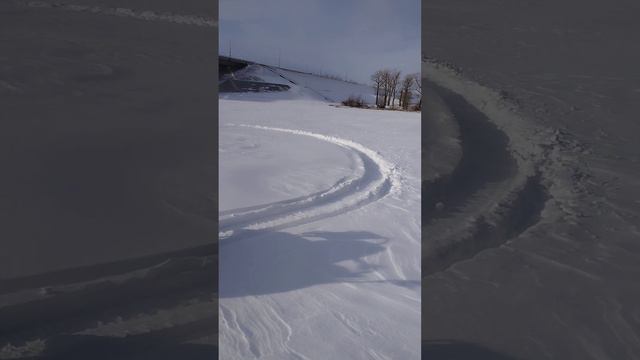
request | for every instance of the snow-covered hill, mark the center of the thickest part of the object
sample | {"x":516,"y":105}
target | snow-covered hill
{"x":302,"y":85}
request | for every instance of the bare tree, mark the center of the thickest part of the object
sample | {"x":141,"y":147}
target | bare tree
{"x":406,"y":90}
{"x":386,"y":87}
{"x":389,"y":88}
{"x":378,"y":79}
{"x":394,"y":78}
{"x":417,"y":80}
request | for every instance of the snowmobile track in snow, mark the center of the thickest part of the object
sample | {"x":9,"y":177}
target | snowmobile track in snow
{"x":373,"y":179}
{"x":489,"y":198}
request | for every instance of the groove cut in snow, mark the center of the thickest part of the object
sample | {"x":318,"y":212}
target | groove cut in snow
{"x":373,"y":178}
{"x":497,"y":190}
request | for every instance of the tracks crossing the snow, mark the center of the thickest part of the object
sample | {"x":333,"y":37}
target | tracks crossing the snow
{"x":373,"y":179}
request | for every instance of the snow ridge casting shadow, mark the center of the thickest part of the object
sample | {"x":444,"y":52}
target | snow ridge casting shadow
{"x":374,"y":179}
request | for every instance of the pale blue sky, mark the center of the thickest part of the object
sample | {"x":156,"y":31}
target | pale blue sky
{"x":352,"y":37}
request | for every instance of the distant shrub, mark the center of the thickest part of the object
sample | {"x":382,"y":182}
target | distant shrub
{"x":354,"y":101}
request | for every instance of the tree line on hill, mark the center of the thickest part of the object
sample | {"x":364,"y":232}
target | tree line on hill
{"x":391,"y":89}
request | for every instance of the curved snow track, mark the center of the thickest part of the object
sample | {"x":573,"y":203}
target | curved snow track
{"x":373,"y":178}
{"x":493,"y":194}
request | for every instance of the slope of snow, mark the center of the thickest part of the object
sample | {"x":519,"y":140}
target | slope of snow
{"x":329,"y":89}
{"x":332,"y":270}
{"x":259,"y":73}
{"x":303,"y":85}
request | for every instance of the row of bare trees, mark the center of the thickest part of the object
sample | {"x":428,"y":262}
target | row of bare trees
{"x":392,"y":91}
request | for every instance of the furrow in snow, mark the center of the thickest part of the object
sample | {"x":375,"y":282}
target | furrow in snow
{"x":340,"y":189}
{"x":374,"y":178}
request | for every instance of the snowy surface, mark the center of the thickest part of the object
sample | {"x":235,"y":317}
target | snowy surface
{"x":560,"y":80}
{"x":322,"y":255}
{"x":107,"y":171}
{"x":260,"y":167}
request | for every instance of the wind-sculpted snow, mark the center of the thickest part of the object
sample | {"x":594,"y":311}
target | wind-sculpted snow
{"x":147,"y":15}
{"x":373,"y":178}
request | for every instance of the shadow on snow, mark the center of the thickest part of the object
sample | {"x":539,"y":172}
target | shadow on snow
{"x":260,"y":262}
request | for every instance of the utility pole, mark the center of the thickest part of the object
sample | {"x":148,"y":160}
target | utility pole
{"x":229,"y":48}
{"x":279,"y":58}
